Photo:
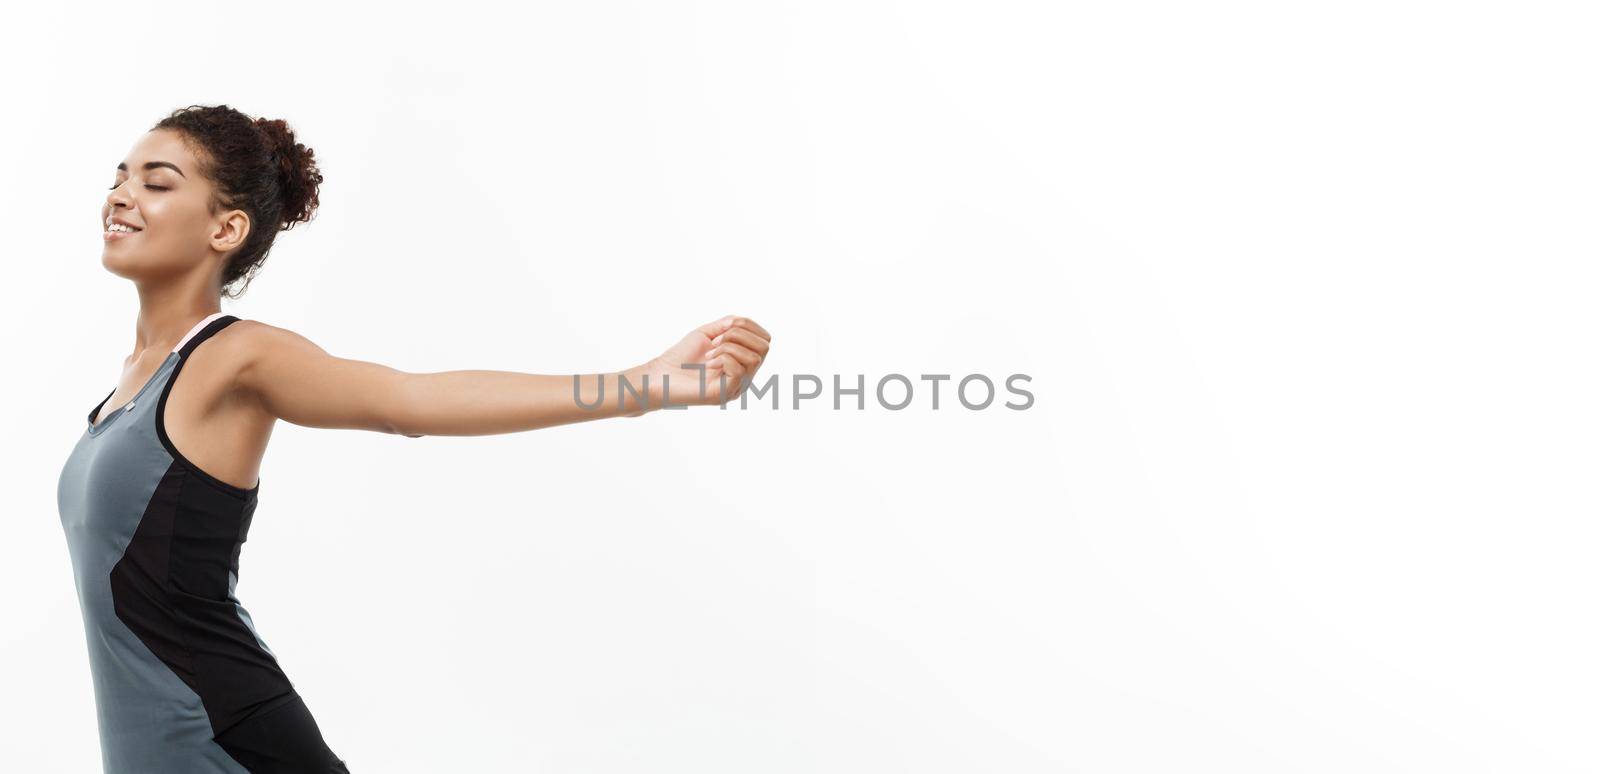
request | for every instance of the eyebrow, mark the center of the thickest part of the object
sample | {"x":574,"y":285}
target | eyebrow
{"x":153,"y":164}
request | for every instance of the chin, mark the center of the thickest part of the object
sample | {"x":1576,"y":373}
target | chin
{"x":125,"y":266}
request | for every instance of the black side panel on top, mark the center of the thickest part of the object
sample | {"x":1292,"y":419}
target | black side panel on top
{"x":138,"y":581}
{"x":171,"y":589}
{"x":236,"y":676}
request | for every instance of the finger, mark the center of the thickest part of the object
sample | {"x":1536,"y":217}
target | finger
{"x":719,"y":384}
{"x":746,"y":357}
{"x":740,"y":358}
{"x":716,"y":326}
{"x":745,"y":322}
{"x":748,"y":338}
{"x":711,"y":354}
{"x":731,"y":366}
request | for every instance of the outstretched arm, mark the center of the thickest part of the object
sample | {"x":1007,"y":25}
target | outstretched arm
{"x":297,"y":381}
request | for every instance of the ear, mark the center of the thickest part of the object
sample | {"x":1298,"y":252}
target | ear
{"x":230,"y":231}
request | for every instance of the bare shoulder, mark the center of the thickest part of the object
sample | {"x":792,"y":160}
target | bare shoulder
{"x":253,"y":344}
{"x":256,"y":336}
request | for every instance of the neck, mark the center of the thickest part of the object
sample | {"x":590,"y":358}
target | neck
{"x":164,"y":319}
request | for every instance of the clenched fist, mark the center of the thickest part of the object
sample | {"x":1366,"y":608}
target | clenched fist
{"x":730,"y":350}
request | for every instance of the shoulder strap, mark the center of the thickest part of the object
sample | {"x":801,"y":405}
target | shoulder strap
{"x":196,"y":328}
{"x":216,"y":323}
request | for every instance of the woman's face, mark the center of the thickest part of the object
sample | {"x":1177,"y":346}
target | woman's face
{"x":160,"y":191}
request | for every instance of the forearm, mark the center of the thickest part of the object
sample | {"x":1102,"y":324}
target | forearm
{"x":478,"y":402}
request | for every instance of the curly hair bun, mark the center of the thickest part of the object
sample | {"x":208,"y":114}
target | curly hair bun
{"x":255,"y":165}
{"x":297,"y":171}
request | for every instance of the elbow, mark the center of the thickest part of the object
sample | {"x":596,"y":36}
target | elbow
{"x":394,"y":429}
{"x":399,"y":429}
{"x":399,"y":418}
{"x":400,"y":425}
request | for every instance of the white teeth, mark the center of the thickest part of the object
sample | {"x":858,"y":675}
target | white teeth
{"x":119,"y":227}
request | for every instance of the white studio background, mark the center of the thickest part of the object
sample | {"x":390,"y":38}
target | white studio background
{"x":1306,"y":292}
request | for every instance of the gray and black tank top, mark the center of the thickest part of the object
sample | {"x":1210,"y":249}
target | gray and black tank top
{"x":183,"y":684}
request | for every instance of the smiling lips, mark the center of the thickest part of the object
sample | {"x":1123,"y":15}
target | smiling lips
{"x":118,"y":231}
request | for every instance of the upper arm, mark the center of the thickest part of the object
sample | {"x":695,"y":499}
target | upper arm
{"x":297,"y":381}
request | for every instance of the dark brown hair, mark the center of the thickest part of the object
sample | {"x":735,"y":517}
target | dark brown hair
{"x":256,"y":166}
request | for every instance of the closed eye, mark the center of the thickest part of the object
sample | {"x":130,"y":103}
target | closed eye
{"x":151,"y":187}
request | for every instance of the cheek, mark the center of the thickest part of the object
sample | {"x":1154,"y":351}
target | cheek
{"x":177,"y":221}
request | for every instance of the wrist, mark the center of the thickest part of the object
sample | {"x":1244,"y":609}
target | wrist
{"x":643,"y":385}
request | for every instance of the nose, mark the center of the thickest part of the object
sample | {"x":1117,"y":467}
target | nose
{"x":116,"y":198}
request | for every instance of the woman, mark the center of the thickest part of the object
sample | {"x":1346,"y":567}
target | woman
{"x":157,"y":496}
